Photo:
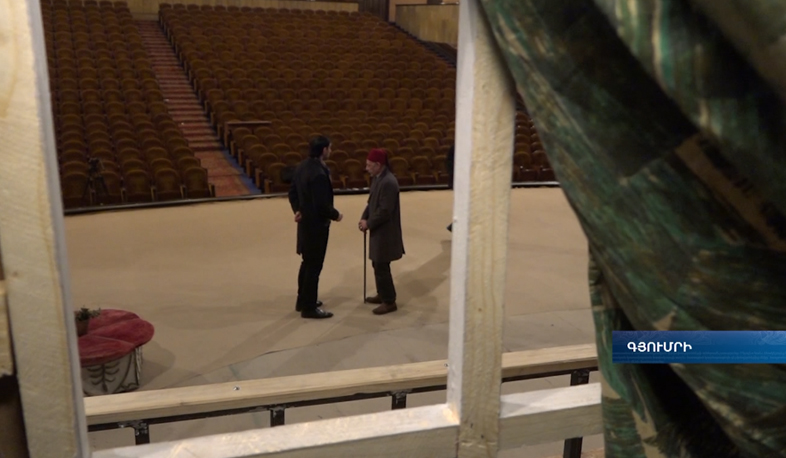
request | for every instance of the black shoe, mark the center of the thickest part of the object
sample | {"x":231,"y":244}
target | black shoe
{"x":317,"y":313}
{"x":450,"y":227}
{"x":298,"y":308}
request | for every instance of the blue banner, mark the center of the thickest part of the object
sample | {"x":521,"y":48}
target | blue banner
{"x":697,"y":347}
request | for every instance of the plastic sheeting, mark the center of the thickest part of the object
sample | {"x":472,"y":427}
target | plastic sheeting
{"x":664,"y":122}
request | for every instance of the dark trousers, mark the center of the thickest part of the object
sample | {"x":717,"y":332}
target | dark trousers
{"x":384,"y":279}
{"x":313,"y":253}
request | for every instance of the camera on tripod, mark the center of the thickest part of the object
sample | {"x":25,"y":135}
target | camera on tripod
{"x":95,"y":165}
{"x":96,"y":183}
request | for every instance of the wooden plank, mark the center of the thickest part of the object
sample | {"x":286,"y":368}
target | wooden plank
{"x":549,"y":360}
{"x":421,"y":432}
{"x":485,"y":125}
{"x":544,"y":416}
{"x":32,"y":243}
{"x":237,"y":395}
{"x":437,"y":23}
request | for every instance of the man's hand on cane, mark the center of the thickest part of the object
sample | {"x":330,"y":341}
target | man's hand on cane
{"x":363,"y":225}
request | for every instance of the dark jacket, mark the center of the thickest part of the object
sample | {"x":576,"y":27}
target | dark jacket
{"x":311,"y":194}
{"x":383,"y":214}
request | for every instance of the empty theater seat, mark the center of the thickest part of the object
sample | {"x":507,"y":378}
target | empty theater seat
{"x":349,"y":76}
{"x":107,"y":105}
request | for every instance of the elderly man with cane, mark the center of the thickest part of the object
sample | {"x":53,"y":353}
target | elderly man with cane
{"x":382,"y":218}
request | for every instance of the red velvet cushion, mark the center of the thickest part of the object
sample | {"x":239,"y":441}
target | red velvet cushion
{"x":95,"y":350}
{"x":110,"y":316}
{"x":136,"y":332}
{"x":112,"y":335}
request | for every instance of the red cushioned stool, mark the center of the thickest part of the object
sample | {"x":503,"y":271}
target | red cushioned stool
{"x":110,"y":353}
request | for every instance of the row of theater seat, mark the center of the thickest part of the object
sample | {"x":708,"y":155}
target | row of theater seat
{"x":312,"y":73}
{"x":108,"y":106}
{"x":116,"y":141}
{"x":262,"y":150}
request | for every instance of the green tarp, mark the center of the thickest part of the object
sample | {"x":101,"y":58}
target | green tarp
{"x":664,"y":122}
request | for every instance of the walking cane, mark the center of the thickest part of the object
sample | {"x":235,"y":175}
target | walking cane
{"x":365,"y":262}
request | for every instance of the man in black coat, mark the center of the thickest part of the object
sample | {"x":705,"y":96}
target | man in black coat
{"x":311,"y":198}
{"x":382,"y":217}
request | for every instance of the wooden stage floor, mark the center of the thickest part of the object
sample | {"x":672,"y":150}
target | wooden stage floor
{"x":218,"y":281}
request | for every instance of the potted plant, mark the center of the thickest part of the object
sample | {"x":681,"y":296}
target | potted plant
{"x":82,"y":318}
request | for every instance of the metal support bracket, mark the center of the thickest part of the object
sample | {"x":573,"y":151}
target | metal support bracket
{"x":573,"y":446}
{"x":141,"y":431}
{"x":277,"y":416}
{"x":399,"y":399}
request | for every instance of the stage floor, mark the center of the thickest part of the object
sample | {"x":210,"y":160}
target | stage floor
{"x":218,"y":281}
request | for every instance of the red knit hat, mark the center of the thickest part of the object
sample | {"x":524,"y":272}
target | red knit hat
{"x":378,"y":155}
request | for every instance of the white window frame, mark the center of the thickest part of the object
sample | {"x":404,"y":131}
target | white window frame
{"x":475,"y":420}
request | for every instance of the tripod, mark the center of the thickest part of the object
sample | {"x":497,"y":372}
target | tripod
{"x":95,"y":182}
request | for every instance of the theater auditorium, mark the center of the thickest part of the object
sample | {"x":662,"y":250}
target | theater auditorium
{"x":176,"y":125}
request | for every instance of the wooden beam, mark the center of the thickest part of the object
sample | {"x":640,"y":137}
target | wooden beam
{"x":544,"y":416}
{"x":549,"y":360}
{"x":485,"y":126}
{"x":436,"y":23}
{"x":32,"y":243}
{"x":146,"y":405}
{"x":423,"y":432}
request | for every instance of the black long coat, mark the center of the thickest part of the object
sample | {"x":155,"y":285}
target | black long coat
{"x":311,"y":193}
{"x":383,"y":214}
